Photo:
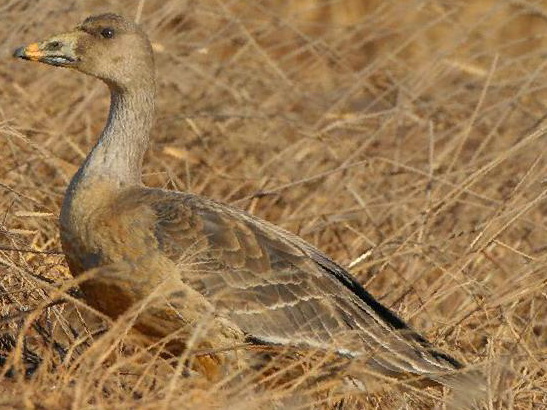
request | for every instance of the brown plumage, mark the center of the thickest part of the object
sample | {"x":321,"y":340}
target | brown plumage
{"x":254,"y":282}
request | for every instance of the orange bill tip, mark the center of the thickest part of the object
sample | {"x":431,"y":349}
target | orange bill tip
{"x":33,"y":52}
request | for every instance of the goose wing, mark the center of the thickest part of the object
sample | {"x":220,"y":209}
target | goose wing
{"x":279,"y":289}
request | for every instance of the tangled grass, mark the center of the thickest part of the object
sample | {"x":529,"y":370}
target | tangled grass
{"x":404,"y":138}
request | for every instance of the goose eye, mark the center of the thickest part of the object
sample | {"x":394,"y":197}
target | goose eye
{"x":107,"y":32}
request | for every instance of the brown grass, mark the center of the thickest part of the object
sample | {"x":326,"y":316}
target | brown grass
{"x":404,"y":138}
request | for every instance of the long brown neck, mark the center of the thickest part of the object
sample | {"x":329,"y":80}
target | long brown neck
{"x":116,"y":160}
{"x":117,"y":157}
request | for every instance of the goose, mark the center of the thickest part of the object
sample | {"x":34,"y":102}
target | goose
{"x":251,"y":282}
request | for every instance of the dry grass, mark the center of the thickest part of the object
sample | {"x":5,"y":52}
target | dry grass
{"x":404,"y":138}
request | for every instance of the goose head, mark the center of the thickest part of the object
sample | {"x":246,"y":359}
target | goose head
{"x":105,"y":46}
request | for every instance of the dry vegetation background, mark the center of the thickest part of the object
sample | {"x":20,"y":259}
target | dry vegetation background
{"x":405,"y":138}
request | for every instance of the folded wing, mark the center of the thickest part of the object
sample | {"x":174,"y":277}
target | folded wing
{"x":280,"y":290}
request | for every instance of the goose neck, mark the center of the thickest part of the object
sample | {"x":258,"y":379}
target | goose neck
{"x":118,"y":155}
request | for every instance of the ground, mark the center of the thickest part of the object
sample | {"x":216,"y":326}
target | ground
{"x":406,"y":139}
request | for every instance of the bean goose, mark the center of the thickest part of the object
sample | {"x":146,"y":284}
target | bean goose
{"x":257,"y":283}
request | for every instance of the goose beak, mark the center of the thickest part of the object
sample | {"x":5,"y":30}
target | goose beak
{"x":57,"y":51}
